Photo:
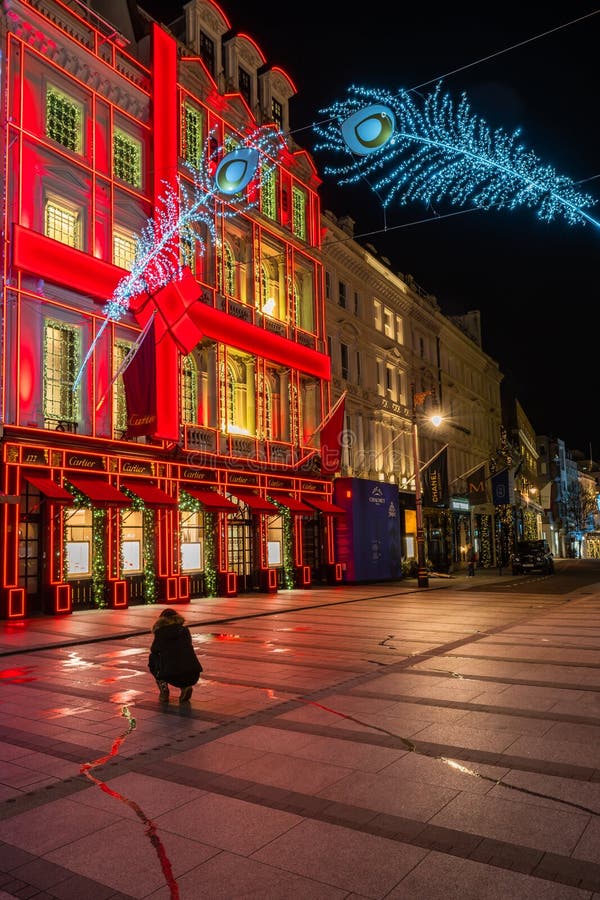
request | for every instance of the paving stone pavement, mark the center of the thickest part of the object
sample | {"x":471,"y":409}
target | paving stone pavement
{"x":377,"y":741}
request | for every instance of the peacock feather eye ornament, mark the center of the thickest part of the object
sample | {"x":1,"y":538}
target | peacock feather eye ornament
{"x":433,"y":149}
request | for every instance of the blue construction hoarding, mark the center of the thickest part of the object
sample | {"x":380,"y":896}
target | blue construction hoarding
{"x":368,"y":541}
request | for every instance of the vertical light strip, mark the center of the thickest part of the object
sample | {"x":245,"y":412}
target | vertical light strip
{"x":165,"y":133}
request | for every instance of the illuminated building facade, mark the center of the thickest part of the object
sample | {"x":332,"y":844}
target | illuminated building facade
{"x":224,"y":493}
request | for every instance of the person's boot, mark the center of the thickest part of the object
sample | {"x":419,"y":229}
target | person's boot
{"x":163,"y":695}
{"x":186,"y":694}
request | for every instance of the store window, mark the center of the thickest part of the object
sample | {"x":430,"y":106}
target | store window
{"x":192,"y":541}
{"x":275,"y":541}
{"x":78,"y":542}
{"x":64,"y":119}
{"x":132,"y":541}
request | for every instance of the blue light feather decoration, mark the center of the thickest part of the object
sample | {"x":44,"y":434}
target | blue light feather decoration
{"x":181,"y":209}
{"x":440,"y":151}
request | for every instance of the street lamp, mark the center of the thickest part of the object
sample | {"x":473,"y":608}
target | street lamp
{"x":417,"y":400}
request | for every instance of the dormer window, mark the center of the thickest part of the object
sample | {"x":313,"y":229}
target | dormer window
{"x":277,"y":113}
{"x":207,"y":52}
{"x":245,"y":85}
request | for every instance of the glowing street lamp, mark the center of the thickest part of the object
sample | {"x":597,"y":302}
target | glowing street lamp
{"x":417,"y":400}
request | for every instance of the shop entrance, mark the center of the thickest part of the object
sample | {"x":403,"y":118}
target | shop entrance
{"x":240,"y":550}
{"x":30,"y":549}
{"x":312,"y":538}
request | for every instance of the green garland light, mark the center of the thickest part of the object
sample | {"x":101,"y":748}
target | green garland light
{"x":289,"y":575}
{"x":98,"y":561}
{"x":149,"y":555}
{"x":485,"y":536}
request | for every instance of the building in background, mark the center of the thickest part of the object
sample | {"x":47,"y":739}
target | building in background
{"x":389,"y":340}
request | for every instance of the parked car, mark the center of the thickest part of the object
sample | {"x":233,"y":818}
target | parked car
{"x":532,"y":556}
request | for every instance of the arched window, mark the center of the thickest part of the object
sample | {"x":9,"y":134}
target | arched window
{"x":237,"y":395}
{"x":188,"y":391}
{"x":226,"y":280}
{"x":269,"y":291}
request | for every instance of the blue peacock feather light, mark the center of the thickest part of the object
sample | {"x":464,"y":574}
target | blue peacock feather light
{"x":217,"y":189}
{"x":439,"y":150}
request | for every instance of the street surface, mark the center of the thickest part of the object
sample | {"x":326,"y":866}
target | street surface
{"x":365,"y":741}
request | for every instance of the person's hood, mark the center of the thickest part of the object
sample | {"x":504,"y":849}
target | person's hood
{"x":161,"y":622}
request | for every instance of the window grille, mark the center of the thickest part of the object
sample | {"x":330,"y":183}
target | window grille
{"x":64,"y":118}
{"x":62,"y":223}
{"x":123,"y":249}
{"x":188,"y":388}
{"x":192,"y":149}
{"x":268,"y":192}
{"x":127,"y":158}
{"x":120,"y":352}
{"x":299,"y":213}
{"x":61,"y":362}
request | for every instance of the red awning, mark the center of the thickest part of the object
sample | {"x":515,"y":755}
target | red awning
{"x":152,"y":496}
{"x":325,"y":506}
{"x":295,"y":506}
{"x":256,"y":503}
{"x":49,"y":488}
{"x":211,"y":499}
{"x":100,"y":492}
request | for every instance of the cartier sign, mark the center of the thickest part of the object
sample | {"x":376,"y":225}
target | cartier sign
{"x":130,"y":467}
{"x":85,"y":463}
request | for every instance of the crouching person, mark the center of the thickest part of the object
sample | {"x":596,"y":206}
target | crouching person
{"x":172,"y":659}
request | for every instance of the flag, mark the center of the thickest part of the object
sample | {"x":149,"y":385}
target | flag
{"x":503,"y":488}
{"x":435,"y":481}
{"x":139,"y":380}
{"x":476,"y":486}
{"x":331,"y":438}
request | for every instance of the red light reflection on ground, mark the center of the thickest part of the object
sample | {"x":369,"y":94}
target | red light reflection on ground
{"x":85,"y":769}
{"x":18,"y":675}
{"x":125,"y":696}
{"x":57,"y":712}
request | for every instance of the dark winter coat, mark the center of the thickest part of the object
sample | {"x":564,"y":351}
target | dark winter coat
{"x":172,"y":655}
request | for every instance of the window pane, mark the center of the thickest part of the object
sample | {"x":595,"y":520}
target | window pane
{"x":192,"y":138}
{"x":299,"y":213}
{"x":268,"y":192}
{"x":62,"y":224}
{"x":127,"y":158}
{"x":61,"y":361}
{"x":64,"y":118}
{"x":123,"y":249}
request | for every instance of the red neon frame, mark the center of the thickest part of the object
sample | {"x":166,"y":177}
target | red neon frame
{"x":119,"y":594}
{"x":63,"y":598}
{"x":15,"y":603}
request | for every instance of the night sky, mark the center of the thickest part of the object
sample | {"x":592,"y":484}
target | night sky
{"x":535,"y":283}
